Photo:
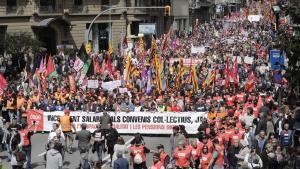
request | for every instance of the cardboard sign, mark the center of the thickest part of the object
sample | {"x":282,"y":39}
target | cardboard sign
{"x":254,"y":18}
{"x":93,"y":84}
{"x":195,"y":50}
{"x":111,"y":85}
{"x":248,"y":60}
{"x":123,"y":90}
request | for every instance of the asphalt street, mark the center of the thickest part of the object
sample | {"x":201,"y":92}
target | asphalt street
{"x":72,"y":160}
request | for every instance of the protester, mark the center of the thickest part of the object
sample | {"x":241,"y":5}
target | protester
{"x":253,"y":160}
{"x":120,"y":162}
{"x":54,"y":158}
{"x":286,"y":138}
{"x":138,"y":155}
{"x":99,"y":142}
{"x":231,"y":154}
{"x":18,"y":157}
{"x":111,"y":137}
{"x":163,"y":156}
{"x":105,"y":121}
{"x":217,"y":161}
{"x":205,"y":157}
{"x":66,"y":123}
{"x":242,"y":153}
{"x":157,"y":164}
{"x":84,"y":137}
{"x":56,"y":132}
{"x":120,"y":147}
{"x":6,"y":140}
{"x":175,"y":138}
{"x":27,"y":133}
{"x":183,"y":156}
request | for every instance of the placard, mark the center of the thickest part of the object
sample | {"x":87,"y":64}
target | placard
{"x":197,"y":49}
{"x":93,"y":84}
{"x":111,"y":85}
{"x":248,"y":60}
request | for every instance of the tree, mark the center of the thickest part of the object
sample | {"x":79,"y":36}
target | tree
{"x":17,"y":44}
{"x":291,"y":45}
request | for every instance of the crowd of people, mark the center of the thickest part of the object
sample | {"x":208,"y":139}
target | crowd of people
{"x":253,"y":121}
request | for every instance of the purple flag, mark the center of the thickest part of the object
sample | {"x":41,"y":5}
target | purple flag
{"x":41,"y":66}
{"x":143,"y":67}
{"x":173,"y":44}
{"x":148,"y":90}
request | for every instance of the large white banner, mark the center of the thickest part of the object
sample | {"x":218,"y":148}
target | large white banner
{"x":133,"y":122}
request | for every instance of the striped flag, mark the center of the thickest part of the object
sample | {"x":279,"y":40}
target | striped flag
{"x":209,"y":78}
{"x":194,"y":78}
{"x":109,"y":53}
{"x":158,"y":73}
{"x":127,"y":68}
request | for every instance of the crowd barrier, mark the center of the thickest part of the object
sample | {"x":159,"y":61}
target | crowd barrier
{"x":129,"y":123}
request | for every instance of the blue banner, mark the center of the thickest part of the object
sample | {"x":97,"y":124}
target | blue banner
{"x":276,"y":59}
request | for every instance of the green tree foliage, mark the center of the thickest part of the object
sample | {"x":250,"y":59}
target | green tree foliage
{"x":20,"y":43}
{"x":291,"y":45}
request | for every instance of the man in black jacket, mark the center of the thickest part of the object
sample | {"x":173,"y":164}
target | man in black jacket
{"x":260,"y":142}
{"x":232,"y":151}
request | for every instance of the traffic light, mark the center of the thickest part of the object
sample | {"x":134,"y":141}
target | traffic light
{"x":167,"y":10}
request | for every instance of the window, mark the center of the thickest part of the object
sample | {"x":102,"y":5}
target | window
{"x":47,"y":3}
{"x":78,"y":2}
{"x":104,"y":4}
{"x":11,"y":3}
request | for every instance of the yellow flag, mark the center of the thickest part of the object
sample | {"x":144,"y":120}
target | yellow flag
{"x":110,"y":49}
{"x":127,"y":68}
{"x":88,"y":48}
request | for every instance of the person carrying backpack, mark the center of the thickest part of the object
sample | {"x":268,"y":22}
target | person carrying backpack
{"x":138,"y":155}
{"x":18,"y":157}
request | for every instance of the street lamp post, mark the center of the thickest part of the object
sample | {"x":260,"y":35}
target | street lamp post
{"x":116,"y":8}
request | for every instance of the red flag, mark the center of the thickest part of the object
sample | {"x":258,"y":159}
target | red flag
{"x":72,"y":83}
{"x":227,"y":73}
{"x":97,"y":68}
{"x":50,"y":66}
{"x":235,"y":72}
{"x":125,"y":43}
{"x":164,"y":42}
{"x":3,"y":83}
{"x":249,"y":86}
